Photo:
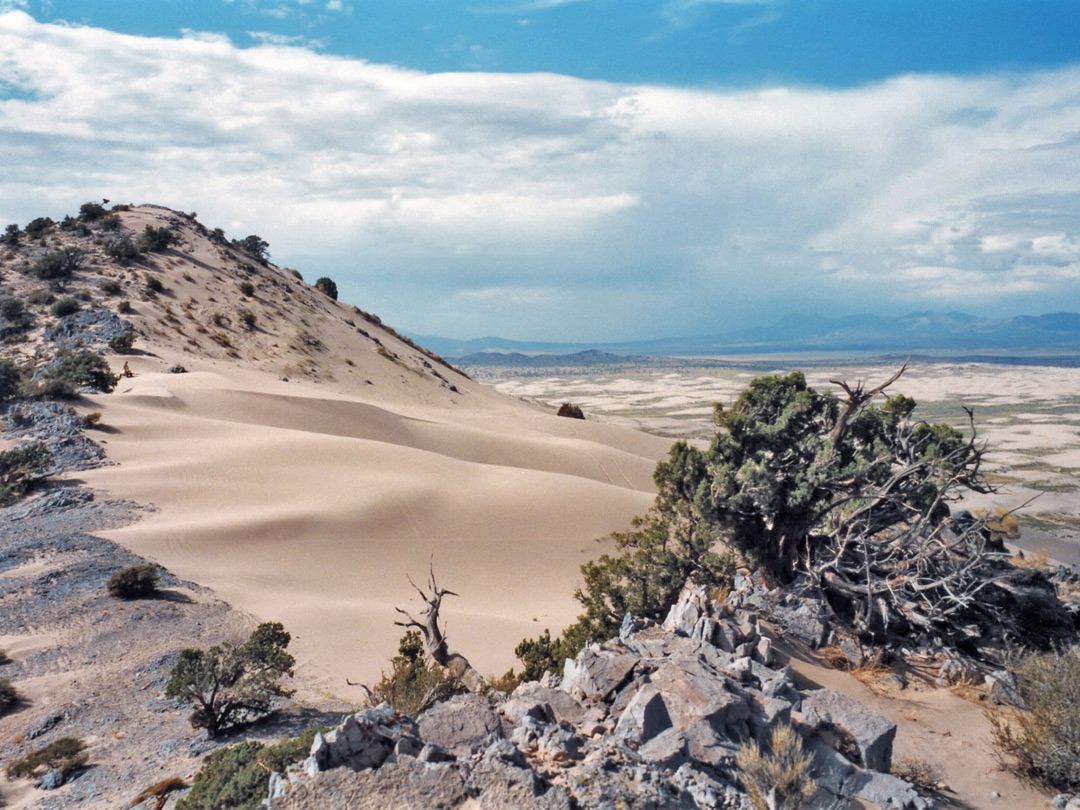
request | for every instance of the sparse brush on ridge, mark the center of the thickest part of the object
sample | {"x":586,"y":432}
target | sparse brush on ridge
{"x":68,"y":305}
{"x":122,"y":344}
{"x":136,"y":582}
{"x":327,"y":287}
{"x":1043,"y":743}
{"x":8,"y":695}
{"x":415,"y":681}
{"x":234,"y":778}
{"x":11,"y":379}
{"x":72,"y":370}
{"x":233,"y":682}
{"x":58,"y":264}
{"x":155,"y":240}
{"x":21,"y":469}
{"x":778,"y":776}
{"x":65,"y":754}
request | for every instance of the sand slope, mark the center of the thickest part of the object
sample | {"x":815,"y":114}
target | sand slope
{"x":312,"y":510}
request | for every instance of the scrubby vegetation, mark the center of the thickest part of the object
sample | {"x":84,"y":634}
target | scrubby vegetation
{"x":327,"y":287}
{"x":233,"y":682}
{"x":254,"y":246}
{"x":247,"y":288}
{"x":570,"y":411}
{"x":247,"y":318}
{"x":777,"y":776}
{"x":136,"y":582}
{"x":41,"y":297}
{"x":10,"y":379}
{"x":67,"y":305}
{"x":8,"y":696}
{"x":91,"y":211}
{"x":65,"y":754}
{"x":58,"y":264}
{"x":415,"y":681}
{"x":21,"y":469}
{"x":38,"y":227}
{"x":848,"y":495}
{"x":75,"y":369}
{"x":155,"y":240}
{"x":122,"y":344}
{"x":122,"y":249}
{"x":1043,"y":744}
{"x":234,"y":778}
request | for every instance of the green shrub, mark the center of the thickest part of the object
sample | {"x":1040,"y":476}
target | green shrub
{"x":136,"y":582}
{"x":122,"y":250}
{"x":11,"y":236}
{"x":41,"y":297}
{"x":58,"y":264}
{"x":155,"y":240}
{"x":38,"y":227}
{"x":21,"y":469}
{"x":82,"y":368}
{"x":247,"y":288}
{"x":1043,"y":744}
{"x":8,"y":696}
{"x":10,"y":379}
{"x":153,"y":283}
{"x":232,"y":682}
{"x":247,"y":318}
{"x":254,"y":246}
{"x":91,"y":211}
{"x":297,"y":274}
{"x":110,"y":222}
{"x":111,"y":287}
{"x":12,"y":310}
{"x":65,"y":754}
{"x":121,"y":344}
{"x":65,"y":306}
{"x":234,"y":778}
{"x":123,"y":307}
{"x":778,"y":778}
{"x":415,"y":680}
{"x":327,"y":287}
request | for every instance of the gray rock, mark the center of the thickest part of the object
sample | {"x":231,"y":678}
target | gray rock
{"x":52,"y":780}
{"x":645,"y":717}
{"x":434,"y":753}
{"x":462,"y":725}
{"x":597,"y":672}
{"x":870,"y":733}
{"x":542,"y":702}
{"x":667,"y":750}
{"x":1005,"y":689}
{"x":363,"y":740}
{"x":882,"y":789}
{"x":1060,"y":801}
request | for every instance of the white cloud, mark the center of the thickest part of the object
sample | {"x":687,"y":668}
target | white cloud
{"x":672,"y":203}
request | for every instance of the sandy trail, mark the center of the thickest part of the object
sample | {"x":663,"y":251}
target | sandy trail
{"x":311,"y":507}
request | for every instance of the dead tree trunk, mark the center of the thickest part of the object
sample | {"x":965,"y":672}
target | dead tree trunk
{"x":456,"y":663}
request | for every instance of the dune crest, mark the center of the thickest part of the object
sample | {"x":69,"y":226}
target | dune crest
{"x":304,"y":467}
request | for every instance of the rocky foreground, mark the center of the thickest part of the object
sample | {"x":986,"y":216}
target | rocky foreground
{"x":651,"y":719}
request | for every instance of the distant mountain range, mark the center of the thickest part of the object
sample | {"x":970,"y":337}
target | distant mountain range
{"x":951,"y":333}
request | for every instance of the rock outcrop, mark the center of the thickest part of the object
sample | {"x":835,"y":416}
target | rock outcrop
{"x":651,"y":719}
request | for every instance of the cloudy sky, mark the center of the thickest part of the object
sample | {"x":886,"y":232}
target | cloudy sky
{"x":576,"y":169}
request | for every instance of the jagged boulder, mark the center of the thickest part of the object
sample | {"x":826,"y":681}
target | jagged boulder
{"x":866,"y":735}
{"x":461,"y":725}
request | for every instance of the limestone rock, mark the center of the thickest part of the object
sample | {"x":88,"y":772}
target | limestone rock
{"x":870,"y":733}
{"x":461,"y":725}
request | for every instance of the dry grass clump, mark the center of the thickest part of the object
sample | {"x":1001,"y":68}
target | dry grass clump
{"x":778,"y":778}
{"x":1037,"y":560}
{"x":1043,"y":744}
{"x":65,"y":754}
{"x":924,"y":775}
{"x":415,"y":682}
{"x":160,"y":792}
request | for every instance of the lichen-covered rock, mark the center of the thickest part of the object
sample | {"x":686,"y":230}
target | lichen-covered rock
{"x":461,"y":725}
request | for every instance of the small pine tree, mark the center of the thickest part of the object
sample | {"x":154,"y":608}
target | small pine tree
{"x":327,"y":287}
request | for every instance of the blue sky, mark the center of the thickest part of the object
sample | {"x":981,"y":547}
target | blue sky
{"x":583,"y":170}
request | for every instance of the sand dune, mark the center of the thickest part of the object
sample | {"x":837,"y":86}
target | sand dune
{"x":311,"y":507}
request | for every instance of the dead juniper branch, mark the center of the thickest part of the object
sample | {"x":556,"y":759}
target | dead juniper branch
{"x":434,"y":640}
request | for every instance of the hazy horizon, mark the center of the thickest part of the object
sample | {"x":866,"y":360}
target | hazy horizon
{"x":576,"y":170}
